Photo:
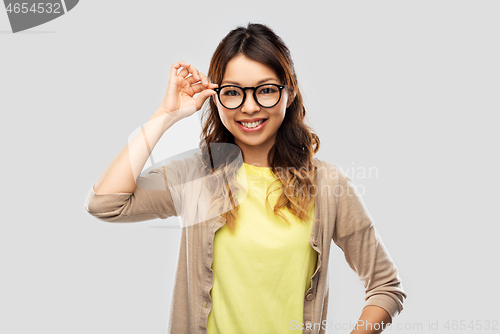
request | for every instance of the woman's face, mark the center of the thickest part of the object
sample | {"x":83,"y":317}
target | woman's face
{"x":244,"y":72}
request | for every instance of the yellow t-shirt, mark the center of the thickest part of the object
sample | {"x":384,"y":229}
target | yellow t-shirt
{"x":262,"y":271}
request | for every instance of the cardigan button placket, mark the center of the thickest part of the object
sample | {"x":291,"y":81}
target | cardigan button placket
{"x":308,"y":325}
{"x":315,"y":241}
{"x":310,"y":297}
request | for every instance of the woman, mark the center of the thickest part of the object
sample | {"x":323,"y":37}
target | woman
{"x":259,"y":212}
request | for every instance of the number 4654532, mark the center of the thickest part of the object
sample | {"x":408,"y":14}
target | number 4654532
{"x":471,"y":325}
{"x":38,"y":8}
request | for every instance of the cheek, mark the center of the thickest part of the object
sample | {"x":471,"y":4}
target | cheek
{"x":280,"y":113}
{"x":224,"y":117}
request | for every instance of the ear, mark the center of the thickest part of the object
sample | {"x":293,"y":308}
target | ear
{"x":291,"y":97}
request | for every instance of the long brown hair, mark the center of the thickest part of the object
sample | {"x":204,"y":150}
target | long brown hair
{"x":291,"y":157}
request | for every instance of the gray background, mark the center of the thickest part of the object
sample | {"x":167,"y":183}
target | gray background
{"x":409,"y":88}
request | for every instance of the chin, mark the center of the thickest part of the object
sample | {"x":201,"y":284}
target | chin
{"x":256,"y":141}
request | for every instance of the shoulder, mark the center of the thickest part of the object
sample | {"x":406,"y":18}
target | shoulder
{"x":328,"y":171}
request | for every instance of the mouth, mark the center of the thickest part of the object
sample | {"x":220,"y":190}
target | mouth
{"x":252,"y":126}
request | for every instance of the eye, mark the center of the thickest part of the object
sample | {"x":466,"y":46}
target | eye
{"x":267,"y":90}
{"x":230,"y":92}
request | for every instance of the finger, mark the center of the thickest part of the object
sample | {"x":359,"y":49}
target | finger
{"x":194,"y":72}
{"x":192,"y":80}
{"x":201,"y":98}
{"x":204,"y":79}
{"x":200,"y":87}
{"x":191,"y":70}
{"x":197,"y":88}
{"x":176,"y":66}
{"x":183,"y":73}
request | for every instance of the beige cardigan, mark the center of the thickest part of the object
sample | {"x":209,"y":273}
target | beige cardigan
{"x":344,"y":219}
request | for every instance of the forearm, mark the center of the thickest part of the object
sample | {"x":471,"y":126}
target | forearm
{"x":373,"y":320}
{"x":121,"y":174}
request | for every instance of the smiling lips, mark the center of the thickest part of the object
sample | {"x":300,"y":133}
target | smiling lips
{"x":252,"y":125}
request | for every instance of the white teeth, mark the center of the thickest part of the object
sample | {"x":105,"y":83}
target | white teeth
{"x":252,"y":124}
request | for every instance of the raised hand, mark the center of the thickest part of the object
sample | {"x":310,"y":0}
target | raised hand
{"x":182,"y":86}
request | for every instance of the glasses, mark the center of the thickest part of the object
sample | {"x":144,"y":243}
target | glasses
{"x":266,"y":95}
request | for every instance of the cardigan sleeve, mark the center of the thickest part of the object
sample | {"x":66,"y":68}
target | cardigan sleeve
{"x":151,"y":199}
{"x":364,"y":251}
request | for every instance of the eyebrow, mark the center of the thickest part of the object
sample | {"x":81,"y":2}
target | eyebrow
{"x":258,"y":83}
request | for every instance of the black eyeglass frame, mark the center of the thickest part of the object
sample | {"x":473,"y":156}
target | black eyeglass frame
{"x":244,"y":89}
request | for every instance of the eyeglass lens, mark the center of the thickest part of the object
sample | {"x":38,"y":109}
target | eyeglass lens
{"x":232,"y":97}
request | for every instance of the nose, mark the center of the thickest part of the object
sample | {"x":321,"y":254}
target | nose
{"x":250,"y":106}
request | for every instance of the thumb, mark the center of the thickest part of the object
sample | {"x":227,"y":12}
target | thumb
{"x":202,"y":97}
